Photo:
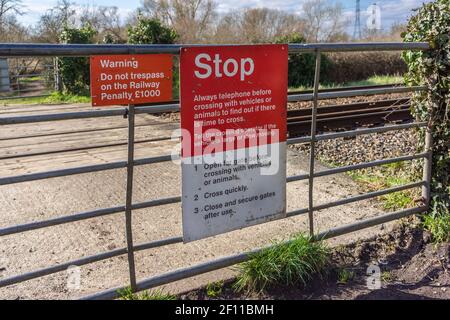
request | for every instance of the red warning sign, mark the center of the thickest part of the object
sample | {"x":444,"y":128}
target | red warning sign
{"x":131,"y":79}
{"x":231,"y":87}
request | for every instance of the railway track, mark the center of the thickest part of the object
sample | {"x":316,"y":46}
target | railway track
{"x":349,"y":116}
{"x":329,"y":118}
{"x":351,"y":88}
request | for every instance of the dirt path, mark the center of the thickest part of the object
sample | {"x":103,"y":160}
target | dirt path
{"x":40,"y":200}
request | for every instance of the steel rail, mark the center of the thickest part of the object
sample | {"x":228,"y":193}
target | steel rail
{"x":176,"y":107}
{"x":353,"y":93}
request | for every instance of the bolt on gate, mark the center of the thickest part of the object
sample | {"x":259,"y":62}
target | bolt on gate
{"x":46,"y":50}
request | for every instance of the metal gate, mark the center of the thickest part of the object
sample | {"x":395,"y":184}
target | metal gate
{"x":29,"y":50}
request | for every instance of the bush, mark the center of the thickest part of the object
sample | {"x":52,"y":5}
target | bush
{"x":75,"y":71}
{"x":356,"y":66}
{"x":302,"y":65}
{"x":439,"y":225}
{"x":431,"y":68}
{"x":150,"y":31}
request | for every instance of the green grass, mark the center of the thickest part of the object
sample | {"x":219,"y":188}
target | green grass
{"x":53,"y":98}
{"x":345,"y":276}
{"x":386,"y":276}
{"x":296,"y":261}
{"x":388,"y":176}
{"x":127,"y":294}
{"x":214,"y":289}
{"x":374,"y":80}
{"x":438,"y":225}
{"x":30,"y":79}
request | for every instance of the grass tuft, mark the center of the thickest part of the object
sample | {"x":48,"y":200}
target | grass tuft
{"x":296,"y":261}
{"x":127,"y":294}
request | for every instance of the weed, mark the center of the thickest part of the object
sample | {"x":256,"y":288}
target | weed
{"x":345,"y":276}
{"x":214,"y":289}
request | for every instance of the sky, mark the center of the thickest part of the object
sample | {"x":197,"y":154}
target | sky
{"x":392,"y":11}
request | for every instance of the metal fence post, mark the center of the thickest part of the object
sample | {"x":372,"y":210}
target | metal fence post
{"x":129,"y":197}
{"x":313,"y":144}
{"x":427,"y":166}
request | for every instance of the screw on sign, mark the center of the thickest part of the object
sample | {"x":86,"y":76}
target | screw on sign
{"x":233,"y":125}
{"x":131,"y":79}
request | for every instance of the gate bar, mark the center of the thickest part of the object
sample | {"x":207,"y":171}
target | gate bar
{"x":370,"y":164}
{"x":369,"y":195}
{"x":84,"y":215}
{"x":371,"y":222}
{"x":83,"y":261}
{"x":79,"y":50}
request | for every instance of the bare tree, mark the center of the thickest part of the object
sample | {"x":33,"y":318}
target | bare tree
{"x":10,"y":8}
{"x":13,"y":31}
{"x":322,"y":20}
{"x":264,"y":25}
{"x":51,"y":23}
{"x":257,"y":26}
{"x":228,"y":29}
{"x":111,"y":23}
{"x":192,"y":19}
{"x":105,"y":20}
